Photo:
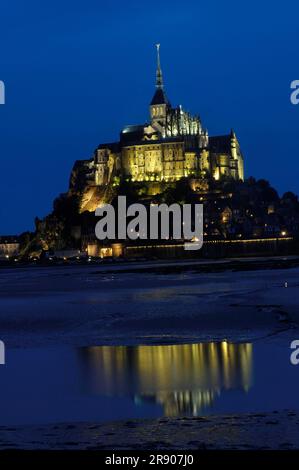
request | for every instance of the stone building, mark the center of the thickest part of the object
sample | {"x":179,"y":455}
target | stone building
{"x":172,"y":145}
{"x":9,"y":246}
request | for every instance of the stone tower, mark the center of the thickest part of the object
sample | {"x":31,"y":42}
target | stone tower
{"x":159,"y":103}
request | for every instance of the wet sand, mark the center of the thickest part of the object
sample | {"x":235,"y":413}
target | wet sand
{"x":256,"y":431}
{"x":83,"y":307}
{"x":87,"y":306}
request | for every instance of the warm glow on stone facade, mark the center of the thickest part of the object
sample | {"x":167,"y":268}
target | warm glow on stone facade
{"x":173,"y":145}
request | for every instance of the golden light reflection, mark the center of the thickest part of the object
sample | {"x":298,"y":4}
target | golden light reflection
{"x":184,"y":379}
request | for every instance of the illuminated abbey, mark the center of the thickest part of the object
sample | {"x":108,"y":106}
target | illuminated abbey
{"x":170,"y":159}
{"x":172,"y":145}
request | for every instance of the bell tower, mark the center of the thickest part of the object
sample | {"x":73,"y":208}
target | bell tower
{"x":159,"y":103}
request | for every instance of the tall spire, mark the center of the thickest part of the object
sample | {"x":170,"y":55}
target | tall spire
{"x":159,"y":96}
{"x":159,"y":77}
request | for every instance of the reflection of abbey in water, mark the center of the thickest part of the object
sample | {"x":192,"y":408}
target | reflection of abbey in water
{"x":182,"y":378}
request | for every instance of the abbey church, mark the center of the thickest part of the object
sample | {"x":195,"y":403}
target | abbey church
{"x":172,"y":145}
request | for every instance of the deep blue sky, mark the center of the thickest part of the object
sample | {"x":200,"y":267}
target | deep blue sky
{"x":77,"y":72}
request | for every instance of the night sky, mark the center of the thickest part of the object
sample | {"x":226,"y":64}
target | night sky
{"x":77,"y":72}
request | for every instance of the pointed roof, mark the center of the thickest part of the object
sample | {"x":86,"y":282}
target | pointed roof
{"x":160,"y":95}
